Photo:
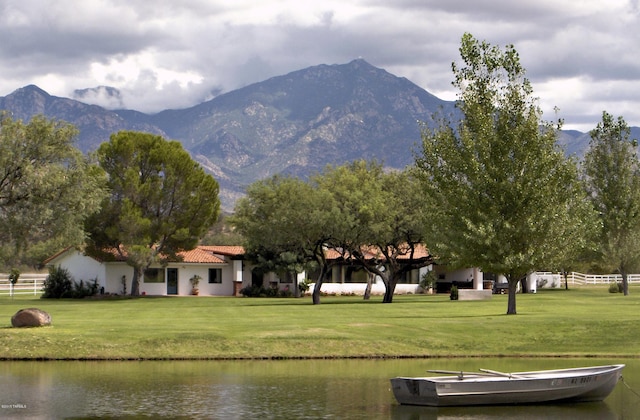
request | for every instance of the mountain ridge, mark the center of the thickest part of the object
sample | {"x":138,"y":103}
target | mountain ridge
{"x":293,"y":124}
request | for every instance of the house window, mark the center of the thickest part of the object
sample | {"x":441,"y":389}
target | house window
{"x":215,"y":275}
{"x":153,"y":275}
{"x":286,"y":277}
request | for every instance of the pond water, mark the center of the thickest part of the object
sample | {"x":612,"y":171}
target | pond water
{"x":298,"y":389}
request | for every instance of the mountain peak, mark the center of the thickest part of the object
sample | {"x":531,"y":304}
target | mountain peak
{"x":30,"y":89}
{"x":359,"y":63}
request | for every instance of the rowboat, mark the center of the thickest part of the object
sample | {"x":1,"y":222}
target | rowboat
{"x":490,"y":387}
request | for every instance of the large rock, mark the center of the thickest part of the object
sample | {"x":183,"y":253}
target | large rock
{"x":30,"y":317}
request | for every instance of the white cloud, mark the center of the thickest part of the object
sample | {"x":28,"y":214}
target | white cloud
{"x":581,"y":55}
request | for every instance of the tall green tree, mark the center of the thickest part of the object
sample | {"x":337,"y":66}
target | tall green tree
{"x":287,"y":223}
{"x":161,"y":202}
{"x":47,"y":189}
{"x":382,"y":227}
{"x":612,"y":174}
{"x":499,"y":192}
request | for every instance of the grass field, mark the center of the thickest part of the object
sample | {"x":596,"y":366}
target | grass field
{"x":586,"y":321}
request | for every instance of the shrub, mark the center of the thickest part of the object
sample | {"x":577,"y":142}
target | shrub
{"x":14,"y":276}
{"x":304,"y":286}
{"x":454,"y":293}
{"x":252,"y":291}
{"x":285,"y":293}
{"x":80,"y":290}
{"x":58,"y":284}
{"x":615,"y":287}
{"x":259,"y":291}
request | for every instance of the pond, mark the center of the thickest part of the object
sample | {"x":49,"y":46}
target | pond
{"x":291,"y":389}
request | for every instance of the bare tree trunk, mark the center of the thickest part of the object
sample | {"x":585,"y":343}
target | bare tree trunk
{"x":296,"y":288}
{"x":135,"y":282}
{"x":390,"y":287}
{"x":625,"y":283}
{"x":367,"y":290}
{"x":511,"y":305}
{"x":315,"y":296}
{"x":523,"y":285}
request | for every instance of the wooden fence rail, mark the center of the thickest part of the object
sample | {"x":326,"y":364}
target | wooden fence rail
{"x":28,"y":284}
{"x":586,"y":279}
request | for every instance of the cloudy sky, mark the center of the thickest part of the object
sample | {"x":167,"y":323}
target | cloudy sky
{"x":582,"y":56}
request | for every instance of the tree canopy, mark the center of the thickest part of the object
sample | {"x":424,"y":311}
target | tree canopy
{"x":367,"y":216}
{"x":612,"y":174}
{"x":47,"y":189}
{"x":382,"y":227}
{"x":161,"y":202}
{"x":286,"y":223}
{"x":499,"y":192}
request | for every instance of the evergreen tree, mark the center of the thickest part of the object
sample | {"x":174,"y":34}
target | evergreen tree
{"x":161,"y":202}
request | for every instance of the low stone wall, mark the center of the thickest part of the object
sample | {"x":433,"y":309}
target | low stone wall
{"x":470,"y":294}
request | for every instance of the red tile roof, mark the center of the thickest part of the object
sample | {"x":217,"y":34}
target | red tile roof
{"x":227,"y":250}
{"x":200,"y":256}
{"x":420,"y":251}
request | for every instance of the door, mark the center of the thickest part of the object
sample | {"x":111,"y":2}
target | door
{"x":172,"y":281}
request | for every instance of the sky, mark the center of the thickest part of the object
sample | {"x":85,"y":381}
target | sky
{"x":581,"y":56}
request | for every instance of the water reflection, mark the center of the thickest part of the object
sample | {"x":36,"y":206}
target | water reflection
{"x":314,"y":389}
{"x":584,"y":411}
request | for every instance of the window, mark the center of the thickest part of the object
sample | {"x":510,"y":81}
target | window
{"x":153,"y":275}
{"x":215,"y":275}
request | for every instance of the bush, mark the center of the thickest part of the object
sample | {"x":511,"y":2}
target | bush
{"x":615,"y":287}
{"x":304,"y":286}
{"x":252,"y":291}
{"x":58,"y":284}
{"x":454,"y":293}
{"x":259,"y":291}
{"x":80,"y":290}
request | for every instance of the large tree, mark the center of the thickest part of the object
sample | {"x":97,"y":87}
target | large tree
{"x":382,"y":227}
{"x":365,"y":216}
{"x":161,"y":201}
{"x":287,"y":223}
{"x":499,"y":192}
{"x":612,"y":173}
{"x":47,"y":189}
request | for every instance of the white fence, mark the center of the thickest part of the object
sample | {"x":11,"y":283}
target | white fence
{"x":28,"y":284}
{"x":557,"y":279}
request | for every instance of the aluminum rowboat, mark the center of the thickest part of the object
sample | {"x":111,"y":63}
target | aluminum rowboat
{"x":490,"y":387}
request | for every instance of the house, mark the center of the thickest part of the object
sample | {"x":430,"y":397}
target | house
{"x":347,"y":278}
{"x":221,"y":269}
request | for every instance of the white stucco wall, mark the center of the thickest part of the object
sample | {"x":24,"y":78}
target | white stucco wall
{"x":81,"y":267}
{"x":114,"y":272}
{"x":359,"y":288}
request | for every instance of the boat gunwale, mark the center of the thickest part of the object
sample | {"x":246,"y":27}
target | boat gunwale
{"x":524,"y":376}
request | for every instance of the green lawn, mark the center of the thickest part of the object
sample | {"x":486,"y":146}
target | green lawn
{"x":585,"y":321}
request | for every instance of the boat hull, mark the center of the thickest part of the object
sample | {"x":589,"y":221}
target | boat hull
{"x":563,"y":385}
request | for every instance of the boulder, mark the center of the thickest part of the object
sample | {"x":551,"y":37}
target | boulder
{"x":30,"y":317}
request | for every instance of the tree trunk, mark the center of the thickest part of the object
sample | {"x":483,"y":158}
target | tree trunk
{"x":296,"y":288}
{"x":367,"y":290}
{"x":511,"y":305}
{"x":390,"y":288}
{"x":316,"y":289}
{"x":566,"y":280}
{"x":135,"y":282}
{"x":523,"y":285}
{"x":625,"y":283}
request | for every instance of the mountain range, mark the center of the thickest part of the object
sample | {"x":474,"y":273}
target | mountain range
{"x":292,"y":124}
